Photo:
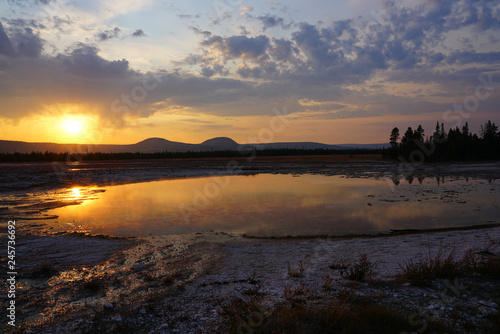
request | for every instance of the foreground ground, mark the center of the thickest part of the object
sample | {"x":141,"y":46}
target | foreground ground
{"x":220,"y":283}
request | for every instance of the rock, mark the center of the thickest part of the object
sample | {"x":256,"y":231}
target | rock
{"x":489,"y":304}
{"x":108,"y":305}
{"x":433,"y":306}
{"x":142,"y":311}
{"x":488,"y":311}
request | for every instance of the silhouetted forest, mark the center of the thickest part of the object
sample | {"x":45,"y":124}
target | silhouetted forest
{"x":68,"y":157}
{"x":455,"y":145}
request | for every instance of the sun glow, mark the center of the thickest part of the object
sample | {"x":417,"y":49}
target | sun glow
{"x":76,"y":193}
{"x":73,"y":126}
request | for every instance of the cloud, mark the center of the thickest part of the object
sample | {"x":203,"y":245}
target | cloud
{"x":81,"y":75}
{"x":84,"y":61}
{"x":343,"y":69}
{"x":6,"y":47}
{"x":239,"y":46}
{"x":138,"y":33}
{"x":109,"y":34}
{"x":271,"y":21}
{"x":21,"y":42}
{"x":473,"y":57}
{"x":210,"y":71}
{"x":198,"y":31}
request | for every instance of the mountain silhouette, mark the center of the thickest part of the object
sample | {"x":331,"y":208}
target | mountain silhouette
{"x":152,"y":145}
{"x":221,"y":143}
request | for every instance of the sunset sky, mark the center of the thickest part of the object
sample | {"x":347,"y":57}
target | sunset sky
{"x":342,"y":71}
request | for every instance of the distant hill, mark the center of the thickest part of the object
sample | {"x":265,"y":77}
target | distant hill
{"x":221,"y":143}
{"x":152,"y":145}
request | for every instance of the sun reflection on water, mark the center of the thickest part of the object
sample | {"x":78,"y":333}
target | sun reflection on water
{"x":76,"y":193}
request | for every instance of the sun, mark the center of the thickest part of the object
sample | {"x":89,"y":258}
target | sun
{"x":73,"y":126}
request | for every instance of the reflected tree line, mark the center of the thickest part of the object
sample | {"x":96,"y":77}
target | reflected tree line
{"x":455,"y":145}
{"x":411,"y":178}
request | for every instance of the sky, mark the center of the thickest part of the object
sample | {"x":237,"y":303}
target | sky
{"x":333,"y":71}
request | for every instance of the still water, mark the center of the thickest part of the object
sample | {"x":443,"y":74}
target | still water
{"x":276,"y":205}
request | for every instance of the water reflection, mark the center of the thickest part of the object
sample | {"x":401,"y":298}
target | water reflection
{"x":76,"y":193}
{"x":267,"y":204}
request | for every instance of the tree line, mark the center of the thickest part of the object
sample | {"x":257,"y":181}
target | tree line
{"x":99,"y":156}
{"x":455,"y":145}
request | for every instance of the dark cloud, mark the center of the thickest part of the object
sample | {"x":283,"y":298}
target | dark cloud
{"x":244,"y":30}
{"x":20,"y":42}
{"x":109,"y":34}
{"x":250,"y":72}
{"x":5,"y":44}
{"x":283,"y":49}
{"x":84,"y":61}
{"x":210,"y":71}
{"x":271,"y":21}
{"x":22,"y":23}
{"x":198,"y":31}
{"x":247,"y":47}
{"x":316,"y":45}
{"x":239,"y":46}
{"x":138,"y":33}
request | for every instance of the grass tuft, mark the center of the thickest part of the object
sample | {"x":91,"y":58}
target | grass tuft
{"x":359,"y":271}
{"x":340,"y":264}
{"x":322,"y":314}
{"x":421,"y":273}
{"x":297,"y":271}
